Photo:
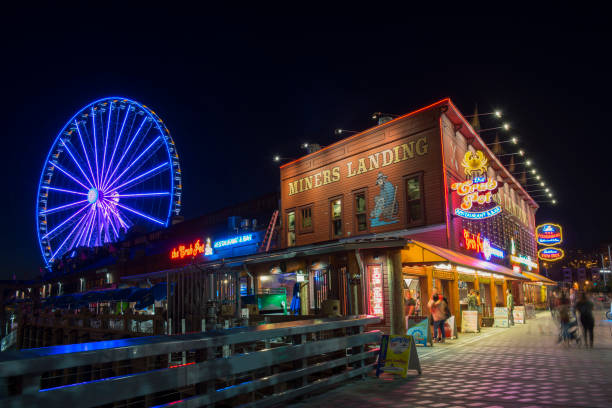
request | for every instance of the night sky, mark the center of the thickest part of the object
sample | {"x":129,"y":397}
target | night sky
{"x":236,"y":88}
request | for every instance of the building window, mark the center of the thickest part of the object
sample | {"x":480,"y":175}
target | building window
{"x":414,"y":199}
{"x":291,"y":228}
{"x":336,"y":217}
{"x":361,"y":220}
{"x":306,"y":219}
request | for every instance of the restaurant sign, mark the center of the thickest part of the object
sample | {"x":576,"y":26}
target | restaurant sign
{"x":376,"y":290}
{"x":183,"y":251}
{"x":474,"y":242}
{"x":551,"y":254}
{"x":477,"y":191}
{"x":549,"y":234}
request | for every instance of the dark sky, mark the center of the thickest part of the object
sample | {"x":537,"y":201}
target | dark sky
{"x":234,"y":88}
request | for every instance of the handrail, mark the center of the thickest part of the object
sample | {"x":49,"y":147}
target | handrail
{"x":315,"y":345}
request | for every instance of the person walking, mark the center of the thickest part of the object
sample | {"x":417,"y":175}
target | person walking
{"x":585,"y":307}
{"x":438,"y":308}
{"x":510,"y":306}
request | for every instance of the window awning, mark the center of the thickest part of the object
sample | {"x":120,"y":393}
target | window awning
{"x":433,"y":253}
{"x":535,"y":277}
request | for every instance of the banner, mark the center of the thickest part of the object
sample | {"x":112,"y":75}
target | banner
{"x":397,"y":355}
{"x":500,"y":314}
{"x":420,"y":332}
{"x":519,"y":314}
{"x":469,"y":321}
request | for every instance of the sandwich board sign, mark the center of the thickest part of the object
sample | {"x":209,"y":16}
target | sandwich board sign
{"x":469,"y":321}
{"x":420,"y":332}
{"x":397,"y":355}
{"x":500,"y":314}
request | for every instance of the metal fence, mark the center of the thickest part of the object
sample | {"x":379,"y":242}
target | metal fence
{"x":244,"y":366}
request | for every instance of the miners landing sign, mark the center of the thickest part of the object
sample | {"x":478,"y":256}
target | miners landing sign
{"x":477,"y":192}
{"x":384,"y":158}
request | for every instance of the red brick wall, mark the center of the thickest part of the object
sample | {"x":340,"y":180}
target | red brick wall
{"x":334,"y":160}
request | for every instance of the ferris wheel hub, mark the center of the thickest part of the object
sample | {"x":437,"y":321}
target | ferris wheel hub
{"x":92,"y":196}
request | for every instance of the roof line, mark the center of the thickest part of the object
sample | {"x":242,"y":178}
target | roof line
{"x":440,"y":102}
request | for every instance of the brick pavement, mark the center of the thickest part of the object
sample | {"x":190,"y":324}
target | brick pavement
{"x":521,"y":366}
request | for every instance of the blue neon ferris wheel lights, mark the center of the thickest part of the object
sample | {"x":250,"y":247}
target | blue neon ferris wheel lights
{"x":141,"y":187}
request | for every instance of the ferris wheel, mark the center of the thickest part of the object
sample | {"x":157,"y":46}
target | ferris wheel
{"x":113,"y":165}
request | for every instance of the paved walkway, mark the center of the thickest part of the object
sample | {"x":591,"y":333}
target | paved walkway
{"x":522,"y":366}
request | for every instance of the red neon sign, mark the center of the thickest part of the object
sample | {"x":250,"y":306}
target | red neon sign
{"x":376,"y":290}
{"x":473,"y":242}
{"x":182,"y":251}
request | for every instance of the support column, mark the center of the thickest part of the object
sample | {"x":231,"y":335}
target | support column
{"x":455,"y":308}
{"x":429,"y":272}
{"x":504,"y":287}
{"x":493,"y":293}
{"x":397,"y":289}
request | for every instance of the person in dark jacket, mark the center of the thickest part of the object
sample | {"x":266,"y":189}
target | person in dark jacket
{"x":585,"y":307}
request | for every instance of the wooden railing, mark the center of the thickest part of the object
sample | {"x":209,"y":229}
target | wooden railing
{"x":256,"y":366}
{"x":50,"y":329}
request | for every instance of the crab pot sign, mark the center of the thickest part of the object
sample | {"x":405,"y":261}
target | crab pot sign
{"x":477,"y":191}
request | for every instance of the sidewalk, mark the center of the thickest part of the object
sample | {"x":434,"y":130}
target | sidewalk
{"x":521,"y":366}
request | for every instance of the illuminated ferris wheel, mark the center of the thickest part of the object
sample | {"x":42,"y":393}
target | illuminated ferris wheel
{"x":114,"y":165}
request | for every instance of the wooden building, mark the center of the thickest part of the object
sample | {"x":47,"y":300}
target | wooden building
{"x":416,"y":203}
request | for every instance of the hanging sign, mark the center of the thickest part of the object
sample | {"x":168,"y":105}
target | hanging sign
{"x":183,"y":251}
{"x":551,"y":254}
{"x":474,"y":242}
{"x":549,"y":234}
{"x":376,"y":290}
{"x":478,"y":190}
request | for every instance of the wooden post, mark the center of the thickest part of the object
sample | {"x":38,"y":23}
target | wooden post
{"x":397,"y":293}
{"x":493,"y":293}
{"x":504,"y":288}
{"x":454,"y":298}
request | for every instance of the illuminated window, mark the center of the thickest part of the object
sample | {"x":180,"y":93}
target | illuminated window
{"x":414,"y":199}
{"x":306,"y":219}
{"x":291,"y":228}
{"x":361,"y":220}
{"x":336,"y":217}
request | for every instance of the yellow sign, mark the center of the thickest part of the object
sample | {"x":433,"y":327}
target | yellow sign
{"x":396,"y":354}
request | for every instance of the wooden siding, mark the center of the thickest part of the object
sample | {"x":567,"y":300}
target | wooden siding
{"x":409,"y":130}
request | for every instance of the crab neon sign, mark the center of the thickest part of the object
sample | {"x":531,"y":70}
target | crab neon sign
{"x":477,"y":190}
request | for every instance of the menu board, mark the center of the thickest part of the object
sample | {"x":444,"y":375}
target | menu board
{"x":519,"y":314}
{"x":469,"y":321}
{"x":500,"y":314}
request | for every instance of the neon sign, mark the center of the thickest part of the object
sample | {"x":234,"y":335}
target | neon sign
{"x":475,"y":242}
{"x":183,"y":251}
{"x":208,"y":249}
{"x":376,"y":290}
{"x":524,"y":260}
{"x":549,"y":234}
{"x":477,"y":190}
{"x":551,"y":254}
{"x":478,"y":215}
{"x":233,"y":241}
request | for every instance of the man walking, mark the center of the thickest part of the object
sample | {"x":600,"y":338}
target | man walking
{"x":510,"y":306}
